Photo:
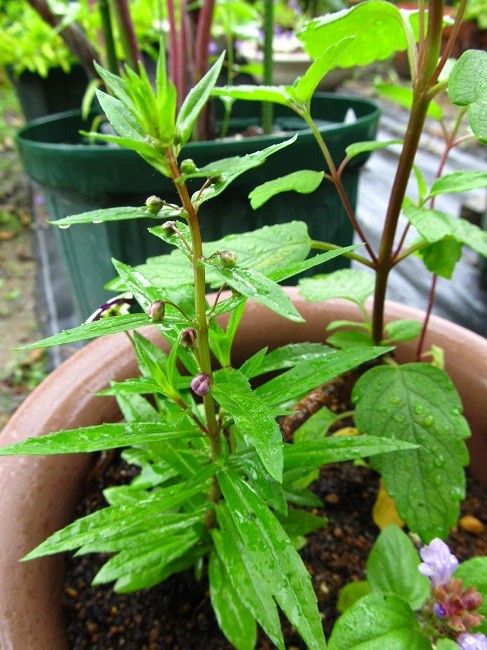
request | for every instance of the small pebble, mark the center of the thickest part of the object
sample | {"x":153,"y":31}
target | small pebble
{"x":472,"y":525}
{"x":332,"y":498}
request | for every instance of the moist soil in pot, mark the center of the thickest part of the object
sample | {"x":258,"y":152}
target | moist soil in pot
{"x":177,"y":615}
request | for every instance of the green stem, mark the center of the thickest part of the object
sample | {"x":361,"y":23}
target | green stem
{"x":106,"y":23}
{"x":325,"y":246}
{"x":203,"y":347}
{"x":267,"y":107}
{"x":416,"y":122}
{"x":337,"y":181}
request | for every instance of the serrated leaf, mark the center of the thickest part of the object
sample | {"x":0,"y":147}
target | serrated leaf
{"x":97,"y":438}
{"x":304,"y":181}
{"x":138,"y":385}
{"x":417,"y":403}
{"x":115,"y":521}
{"x":303,"y":88}
{"x":195,"y":100}
{"x":460,"y":181}
{"x":274,"y":556}
{"x":315,"y":453}
{"x":421,"y":183}
{"x":112,"y":214}
{"x":467,"y":86}
{"x":392,"y":567}
{"x":236,"y":169}
{"x":289,"y":355}
{"x":258,"y":287}
{"x":347,"y":284}
{"x":234,"y":619}
{"x":357,"y":148}
{"x":377,"y":27}
{"x":402,"y":330}
{"x":434,"y":225}
{"x":441,"y":257}
{"x":473,"y":573}
{"x":252,"y":416}
{"x":298,"y":267}
{"x":309,"y":374}
{"x":119,"y":116}
{"x":137,"y":284}
{"x":390,"y":624}
{"x":135,"y":408}
{"x":349,"y":594}
{"x":101,"y":327}
{"x":403,"y":96}
{"x":253,"y":589}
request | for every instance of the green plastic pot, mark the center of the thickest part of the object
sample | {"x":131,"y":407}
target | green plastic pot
{"x":59,"y":91}
{"x":77,"y":177}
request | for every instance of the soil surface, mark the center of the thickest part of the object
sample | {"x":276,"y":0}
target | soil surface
{"x":177,"y":614}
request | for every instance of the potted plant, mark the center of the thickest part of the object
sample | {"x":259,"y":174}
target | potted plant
{"x":217,"y":467}
{"x":76,"y":175}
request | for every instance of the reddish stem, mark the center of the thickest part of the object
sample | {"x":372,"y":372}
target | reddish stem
{"x":203,"y":34}
{"x":429,"y":309}
{"x":126,"y":25}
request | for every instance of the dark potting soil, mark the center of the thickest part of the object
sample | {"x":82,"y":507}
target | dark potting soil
{"x":177,"y":615}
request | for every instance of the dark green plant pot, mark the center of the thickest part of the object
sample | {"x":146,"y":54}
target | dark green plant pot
{"x":79,"y":177}
{"x":59,"y":91}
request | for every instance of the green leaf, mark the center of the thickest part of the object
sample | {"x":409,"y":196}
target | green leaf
{"x":122,"y":120}
{"x":434,"y":225}
{"x":316,"y":427}
{"x":111,"y":214}
{"x":421,"y":183}
{"x":348,"y":284}
{"x":304,"y":182}
{"x":349,"y":594}
{"x":473,"y":573}
{"x":306,"y":375}
{"x":315,"y":453}
{"x":467,"y":86}
{"x":403,"y":96}
{"x":402,"y":330}
{"x":138,"y":385}
{"x":390,"y":623}
{"x":252,"y":416}
{"x":298,"y":267}
{"x":235,"y":620}
{"x":236,"y":167}
{"x":101,"y":327}
{"x":97,"y":438}
{"x":275,"y":558}
{"x":303,"y":88}
{"x":289,"y":355}
{"x":255,"y":285}
{"x":195,"y":101}
{"x":417,"y":403}
{"x":357,"y":148}
{"x":252,"y":588}
{"x":153,"y":557}
{"x":441,"y":257}
{"x":377,"y":28}
{"x":392,"y":567}
{"x":459,"y":181}
{"x":301,"y":522}
{"x":116,"y":521}
{"x":274,"y":94}
{"x":446,"y":644}
{"x":346,"y":340}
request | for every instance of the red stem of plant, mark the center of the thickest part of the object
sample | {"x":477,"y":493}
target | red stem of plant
{"x":429,"y":309}
{"x":128,"y":28}
{"x":203,"y":34}
{"x":182,"y":54}
{"x":173,"y":51}
{"x":451,"y":40}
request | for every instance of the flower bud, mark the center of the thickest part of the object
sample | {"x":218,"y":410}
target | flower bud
{"x":201,"y":384}
{"x":169,"y":227}
{"x":154,"y":204}
{"x":187,"y":166}
{"x":156,"y":311}
{"x":228,"y":259}
{"x":188,"y":337}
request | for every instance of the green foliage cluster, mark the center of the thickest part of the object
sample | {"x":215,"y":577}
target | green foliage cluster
{"x":219,"y":488}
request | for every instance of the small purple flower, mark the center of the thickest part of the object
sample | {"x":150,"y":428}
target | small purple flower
{"x":438,"y":563}
{"x":212,"y":48}
{"x":201,"y":384}
{"x":469,"y":641}
{"x":439,"y":610}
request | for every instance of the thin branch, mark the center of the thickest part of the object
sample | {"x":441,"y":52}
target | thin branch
{"x":450,"y":42}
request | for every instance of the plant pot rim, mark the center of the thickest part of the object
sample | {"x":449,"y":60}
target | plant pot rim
{"x":37,"y":494}
{"x":371,"y":112}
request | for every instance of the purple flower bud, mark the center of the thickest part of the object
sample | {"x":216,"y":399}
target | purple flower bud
{"x":469,"y":641}
{"x":154,"y":204}
{"x":169,"y":227}
{"x":156,"y":311}
{"x":188,"y":337}
{"x":439,"y":610}
{"x":212,"y":48}
{"x":438,"y":563}
{"x":201,"y":384}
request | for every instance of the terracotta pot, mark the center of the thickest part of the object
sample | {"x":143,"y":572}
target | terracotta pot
{"x":38,"y":493}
